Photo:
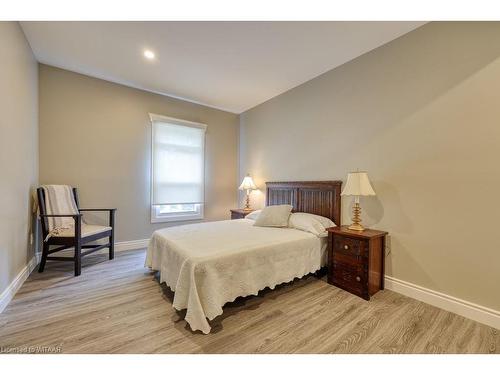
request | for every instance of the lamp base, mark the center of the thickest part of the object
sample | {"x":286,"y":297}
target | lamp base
{"x":247,"y":203}
{"x":356,"y":218}
{"x":356,"y":226}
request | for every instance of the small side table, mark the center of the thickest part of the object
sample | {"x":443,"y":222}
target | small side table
{"x":239,"y":213}
{"x":356,"y":260}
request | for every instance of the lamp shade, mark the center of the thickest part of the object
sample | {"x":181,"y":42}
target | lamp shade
{"x":358,"y":184}
{"x":247,"y":184}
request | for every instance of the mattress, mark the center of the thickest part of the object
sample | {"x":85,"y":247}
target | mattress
{"x":210,"y":264}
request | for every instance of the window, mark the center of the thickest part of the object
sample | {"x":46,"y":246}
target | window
{"x":177,"y":173}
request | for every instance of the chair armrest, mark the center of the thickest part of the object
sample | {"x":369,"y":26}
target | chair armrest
{"x":111,"y":212}
{"x":97,"y":209}
{"x":68,"y":215}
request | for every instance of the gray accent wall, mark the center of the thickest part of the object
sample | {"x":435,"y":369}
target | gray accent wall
{"x":18,"y":150}
{"x":421,"y":114}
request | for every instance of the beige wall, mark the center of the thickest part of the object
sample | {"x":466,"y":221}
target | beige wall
{"x":422,"y":116}
{"x":96,"y":135}
{"x":18,"y":149}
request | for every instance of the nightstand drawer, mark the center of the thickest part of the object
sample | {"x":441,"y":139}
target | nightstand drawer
{"x":347,"y":258}
{"x":349,"y":246}
{"x":348,"y":276}
{"x":235,"y":215}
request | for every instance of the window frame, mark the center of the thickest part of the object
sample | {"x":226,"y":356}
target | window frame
{"x":177,"y":216}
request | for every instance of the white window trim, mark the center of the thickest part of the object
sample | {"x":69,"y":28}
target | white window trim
{"x":177,"y":216}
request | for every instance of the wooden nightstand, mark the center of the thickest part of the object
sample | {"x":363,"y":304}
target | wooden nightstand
{"x":356,"y":260}
{"x":239,"y":213}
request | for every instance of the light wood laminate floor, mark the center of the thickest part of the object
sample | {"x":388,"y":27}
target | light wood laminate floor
{"x":119,"y":307}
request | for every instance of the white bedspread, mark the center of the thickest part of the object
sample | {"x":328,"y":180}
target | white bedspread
{"x":209,"y":264}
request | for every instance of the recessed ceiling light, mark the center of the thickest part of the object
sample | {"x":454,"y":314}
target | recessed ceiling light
{"x":148,"y":54}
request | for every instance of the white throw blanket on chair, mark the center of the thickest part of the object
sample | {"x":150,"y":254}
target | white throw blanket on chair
{"x":59,"y":200}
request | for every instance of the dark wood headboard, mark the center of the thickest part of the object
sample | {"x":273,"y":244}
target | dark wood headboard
{"x":314,"y":197}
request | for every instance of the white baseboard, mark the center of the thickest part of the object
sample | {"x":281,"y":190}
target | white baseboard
{"x":446,"y":302}
{"x":131,"y":245}
{"x":16,"y":284}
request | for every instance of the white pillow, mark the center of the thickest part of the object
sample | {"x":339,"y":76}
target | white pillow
{"x":253,"y":215}
{"x":314,"y":224}
{"x":326,"y":222}
{"x":274,"y":216}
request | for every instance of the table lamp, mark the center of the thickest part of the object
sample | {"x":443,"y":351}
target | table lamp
{"x":357,"y":185}
{"x":247,"y":185}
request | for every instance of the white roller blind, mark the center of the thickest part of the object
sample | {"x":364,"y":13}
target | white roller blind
{"x":178,"y":161}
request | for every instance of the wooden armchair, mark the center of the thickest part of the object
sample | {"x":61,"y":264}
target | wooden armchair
{"x":78,"y":238}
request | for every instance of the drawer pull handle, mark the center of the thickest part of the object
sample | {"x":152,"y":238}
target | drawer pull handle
{"x":346,"y":247}
{"x":358,"y":278}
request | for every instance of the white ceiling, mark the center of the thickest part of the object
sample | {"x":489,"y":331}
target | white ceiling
{"x":228,"y":65}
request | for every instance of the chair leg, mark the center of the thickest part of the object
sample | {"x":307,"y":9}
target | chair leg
{"x":112,"y":237}
{"x":78,"y":246}
{"x":78,"y":260}
{"x":111,"y":247}
{"x":45,"y":253}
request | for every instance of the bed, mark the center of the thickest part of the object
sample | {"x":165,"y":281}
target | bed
{"x":209,"y":264}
